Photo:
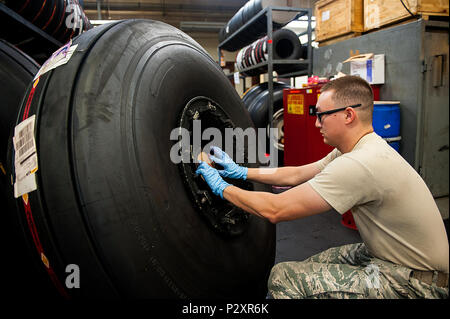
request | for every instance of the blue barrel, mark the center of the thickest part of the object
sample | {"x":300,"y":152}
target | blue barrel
{"x":386,"y":118}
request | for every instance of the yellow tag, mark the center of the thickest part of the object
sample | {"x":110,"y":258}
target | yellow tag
{"x":45,"y":260}
{"x":295,"y":104}
{"x":309,"y":91}
{"x":35,"y":83}
{"x":25,"y":198}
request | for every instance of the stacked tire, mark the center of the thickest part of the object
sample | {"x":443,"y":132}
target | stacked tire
{"x":108,"y":197}
{"x":259,"y":26}
{"x":286,"y":46}
{"x":22,"y":280}
{"x":61,"y":19}
{"x":16,"y":72}
{"x":256,"y":101}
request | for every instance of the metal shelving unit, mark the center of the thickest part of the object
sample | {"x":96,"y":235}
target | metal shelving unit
{"x":270,"y":61}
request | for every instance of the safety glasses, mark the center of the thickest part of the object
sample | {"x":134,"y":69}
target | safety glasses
{"x":320,"y":114}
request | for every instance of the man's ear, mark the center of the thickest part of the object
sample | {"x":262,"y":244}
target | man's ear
{"x":350,"y":115}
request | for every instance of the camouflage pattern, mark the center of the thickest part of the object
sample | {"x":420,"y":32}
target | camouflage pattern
{"x":347,"y":272}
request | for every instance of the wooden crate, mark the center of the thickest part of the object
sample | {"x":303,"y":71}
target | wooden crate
{"x":379,"y":13}
{"x":335,"y":18}
{"x":339,"y":39}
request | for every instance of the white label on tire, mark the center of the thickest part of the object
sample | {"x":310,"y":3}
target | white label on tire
{"x":60,"y":57}
{"x":25,"y":158}
{"x":236,"y":78}
{"x":27,"y":185}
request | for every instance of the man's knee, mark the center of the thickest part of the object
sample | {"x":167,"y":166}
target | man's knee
{"x":283,"y":281}
{"x":314,"y":280}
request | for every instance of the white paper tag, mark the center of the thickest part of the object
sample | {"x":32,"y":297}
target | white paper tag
{"x":27,"y":185}
{"x":60,"y":57}
{"x":326,"y":15}
{"x":25,"y":158}
{"x":236,"y":78}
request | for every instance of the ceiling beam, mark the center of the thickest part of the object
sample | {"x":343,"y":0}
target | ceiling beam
{"x":168,"y":16}
{"x":164,"y":7}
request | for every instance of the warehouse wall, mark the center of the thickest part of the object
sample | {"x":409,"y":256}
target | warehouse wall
{"x":404,"y":73}
{"x":210,"y":41}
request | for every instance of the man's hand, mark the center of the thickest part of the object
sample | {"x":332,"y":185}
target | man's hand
{"x":230,"y":168}
{"x":212,"y":178}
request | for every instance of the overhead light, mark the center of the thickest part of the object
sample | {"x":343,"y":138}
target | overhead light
{"x":201,"y":26}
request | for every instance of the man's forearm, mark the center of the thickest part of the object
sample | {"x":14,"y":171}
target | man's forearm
{"x":298,"y":202}
{"x":283,"y":176}
{"x":257,"y":203}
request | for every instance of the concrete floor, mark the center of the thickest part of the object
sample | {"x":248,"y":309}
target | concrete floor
{"x":300,"y":239}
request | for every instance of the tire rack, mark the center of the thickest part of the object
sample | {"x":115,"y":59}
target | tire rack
{"x":270,"y":61}
{"x":36,"y":43}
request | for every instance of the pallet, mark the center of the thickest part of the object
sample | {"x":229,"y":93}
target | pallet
{"x":392,"y":24}
{"x":436,"y":17}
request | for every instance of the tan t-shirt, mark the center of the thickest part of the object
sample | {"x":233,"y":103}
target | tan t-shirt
{"x":394,"y":210}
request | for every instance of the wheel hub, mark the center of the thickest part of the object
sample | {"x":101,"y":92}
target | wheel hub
{"x":221,"y":215}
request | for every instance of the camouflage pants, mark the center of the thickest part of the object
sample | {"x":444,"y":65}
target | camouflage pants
{"x":346,"y":272}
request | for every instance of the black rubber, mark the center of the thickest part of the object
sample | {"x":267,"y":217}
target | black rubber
{"x":39,"y":12}
{"x":251,"y":33}
{"x":20,"y":277}
{"x":52,"y":16}
{"x":109,"y":199}
{"x":16,"y":72}
{"x":286,"y":46}
{"x":258,"y":105}
{"x":250,"y":94}
{"x":256,"y":100}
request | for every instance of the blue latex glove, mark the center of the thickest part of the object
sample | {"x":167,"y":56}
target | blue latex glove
{"x":230,"y":168}
{"x":212,"y":178}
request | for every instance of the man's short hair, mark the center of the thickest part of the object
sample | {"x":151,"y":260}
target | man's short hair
{"x":351,"y":90}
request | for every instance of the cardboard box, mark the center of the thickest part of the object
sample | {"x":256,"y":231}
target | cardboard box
{"x":368,"y":66}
